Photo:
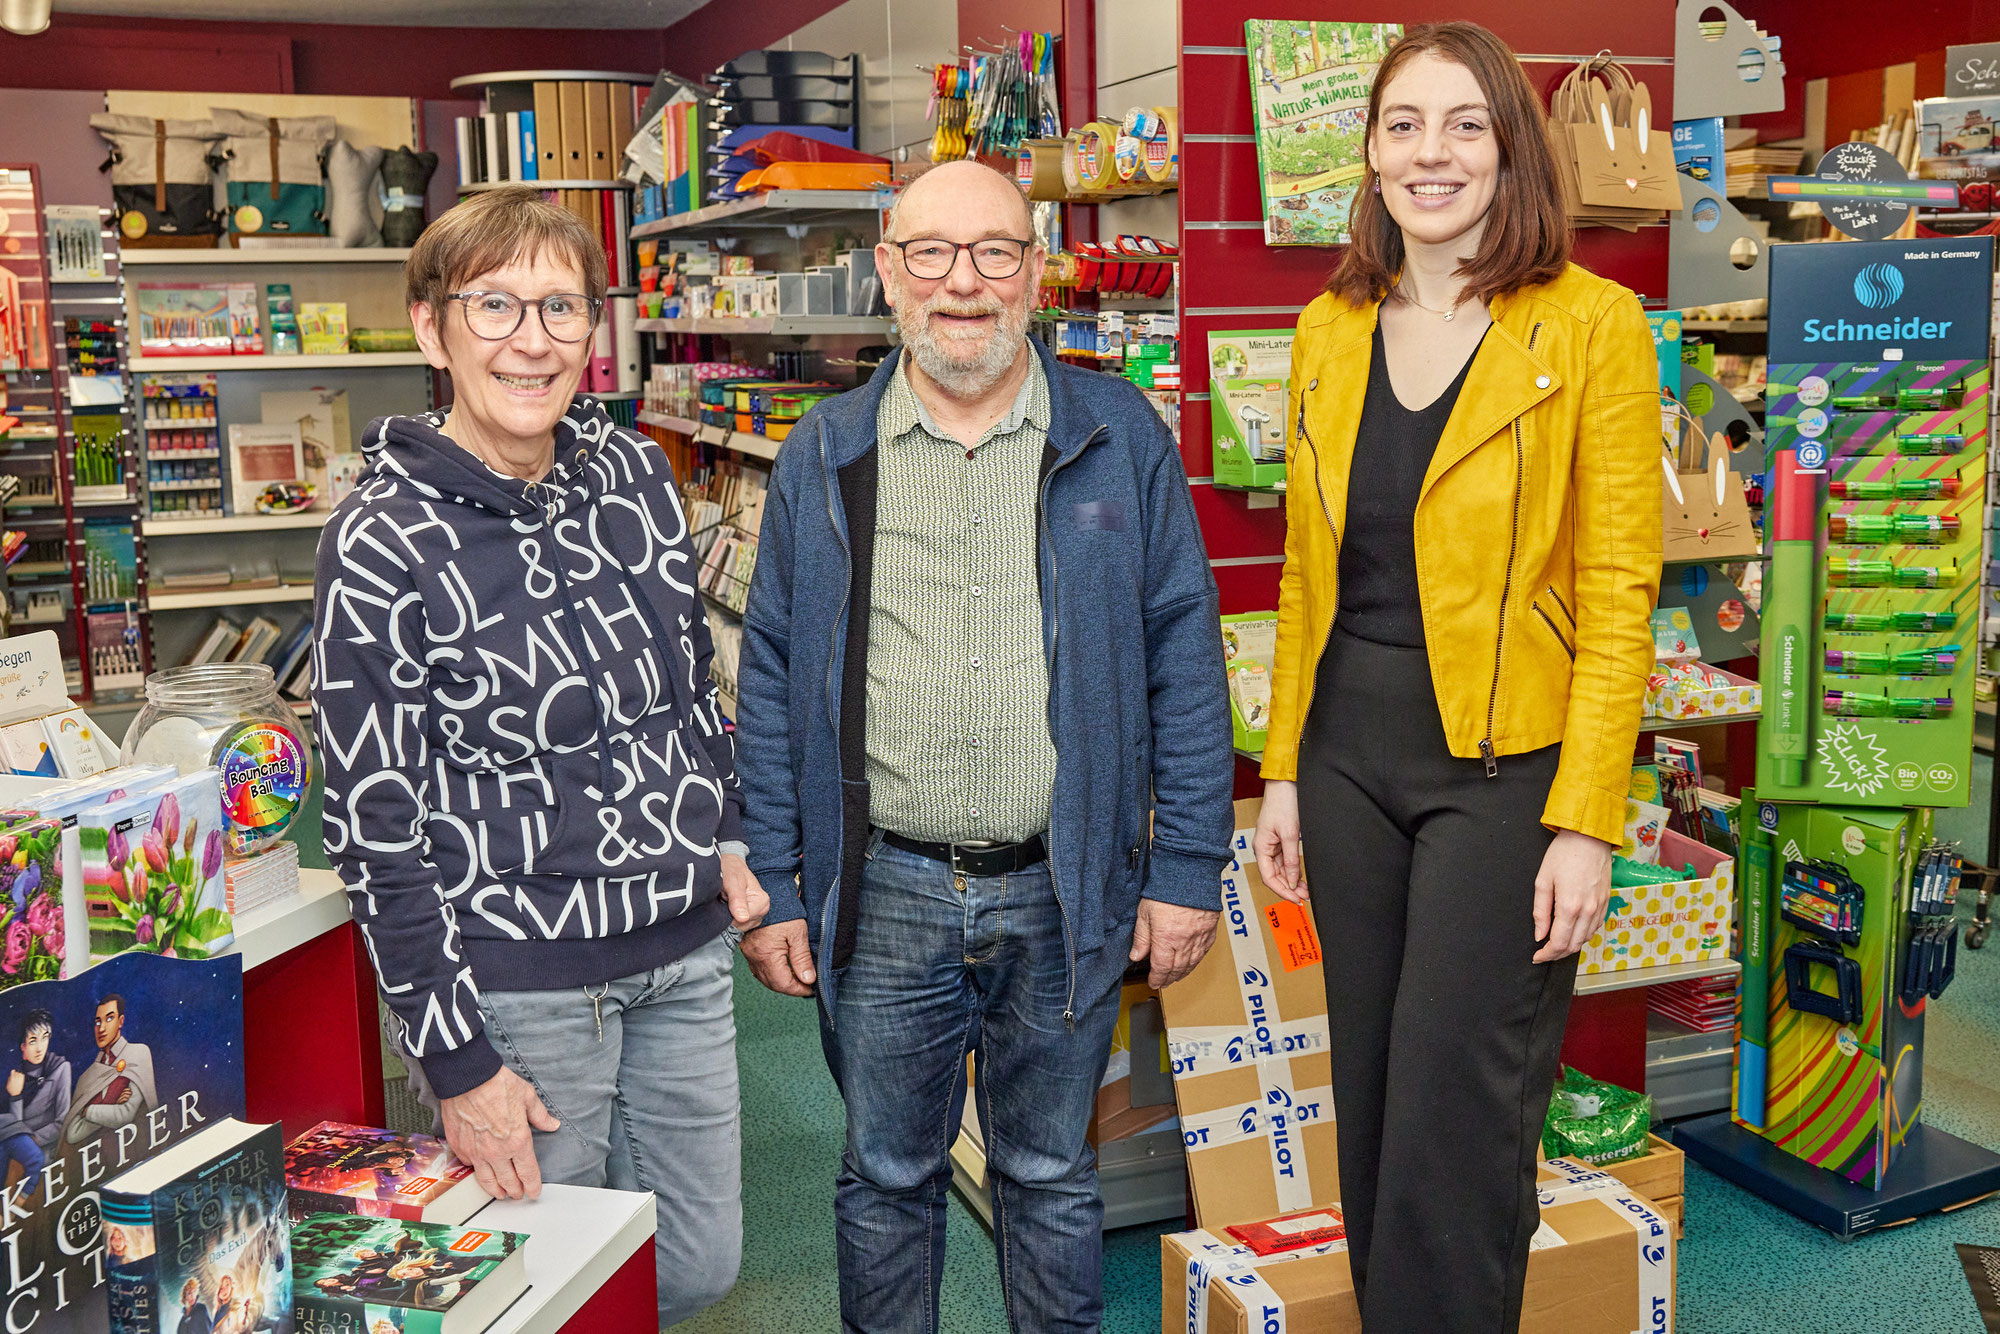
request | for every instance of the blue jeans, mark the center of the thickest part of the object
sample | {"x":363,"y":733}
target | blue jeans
{"x":648,"y":1104}
{"x":940,"y":970}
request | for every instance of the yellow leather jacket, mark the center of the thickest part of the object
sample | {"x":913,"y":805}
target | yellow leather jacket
{"x":1537,"y":536}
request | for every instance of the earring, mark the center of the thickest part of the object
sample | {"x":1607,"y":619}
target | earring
{"x":1378,"y":185}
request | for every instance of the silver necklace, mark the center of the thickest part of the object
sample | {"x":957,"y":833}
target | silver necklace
{"x":1449,"y":315}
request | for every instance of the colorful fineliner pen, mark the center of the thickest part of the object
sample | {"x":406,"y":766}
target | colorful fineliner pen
{"x":1915,"y":622}
{"x":1753,"y":1042}
{"x":1855,"y":704}
{"x":1908,"y":488}
{"x":1873,"y":529}
{"x":1917,"y":662}
{"x":1903,"y":398}
{"x":1884,"y":574}
{"x":1926,"y":444}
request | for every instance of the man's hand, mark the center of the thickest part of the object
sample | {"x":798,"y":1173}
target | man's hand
{"x":1571,"y":893}
{"x":489,"y":1128}
{"x":16,"y":1081}
{"x":781,"y":958}
{"x":746,"y":898}
{"x":1276,"y":841}
{"x":1175,"y":938}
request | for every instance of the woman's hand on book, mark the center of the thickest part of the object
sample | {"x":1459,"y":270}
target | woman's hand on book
{"x":492,"y":1128}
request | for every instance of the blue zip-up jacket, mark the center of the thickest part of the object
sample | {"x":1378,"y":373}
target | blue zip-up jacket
{"x":1138,"y":704}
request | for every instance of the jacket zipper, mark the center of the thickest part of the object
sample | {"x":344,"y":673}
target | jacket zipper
{"x":1568,"y":615}
{"x":1333,"y":529}
{"x":1550,"y":622}
{"x":826,"y":926}
{"x":1055,"y":631}
{"x":1506,"y":583}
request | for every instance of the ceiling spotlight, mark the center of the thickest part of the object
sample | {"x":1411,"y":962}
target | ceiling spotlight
{"x":25,"y":17}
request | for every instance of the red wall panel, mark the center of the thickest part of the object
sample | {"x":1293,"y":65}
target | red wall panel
{"x":1823,"y":39}
{"x":1248,"y":587}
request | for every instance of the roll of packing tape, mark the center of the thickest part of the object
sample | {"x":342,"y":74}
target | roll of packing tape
{"x":1163,"y":150}
{"x":1043,"y":167}
{"x":1091,"y":166}
{"x":1128,"y":154}
{"x":1142,"y":124}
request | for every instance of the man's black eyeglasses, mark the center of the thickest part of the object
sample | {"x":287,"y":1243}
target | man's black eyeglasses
{"x":995,"y":257}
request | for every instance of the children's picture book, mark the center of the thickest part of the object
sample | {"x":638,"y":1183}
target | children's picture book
{"x":111,"y":1066}
{"x":1310,"y":82}
{"x":336,"y":1168}
{"x":197,"y":1237}
{"x":152,"y":871}
{"x":368,"y":1275}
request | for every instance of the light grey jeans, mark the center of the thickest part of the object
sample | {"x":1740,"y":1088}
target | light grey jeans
{"x":650,"y":1104}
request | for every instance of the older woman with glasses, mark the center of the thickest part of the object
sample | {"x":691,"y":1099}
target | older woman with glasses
{"x":530,"y":792}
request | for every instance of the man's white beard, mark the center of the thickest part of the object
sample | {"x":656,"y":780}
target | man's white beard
{"x":968,"y":366}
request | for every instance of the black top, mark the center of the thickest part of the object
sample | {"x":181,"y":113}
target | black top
{"x":1378,"y":554}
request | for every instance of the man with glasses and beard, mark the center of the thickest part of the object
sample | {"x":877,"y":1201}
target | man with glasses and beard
{"x":985,"y":734}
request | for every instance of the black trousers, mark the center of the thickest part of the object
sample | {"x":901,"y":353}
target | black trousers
{"x":1446,"y":1036}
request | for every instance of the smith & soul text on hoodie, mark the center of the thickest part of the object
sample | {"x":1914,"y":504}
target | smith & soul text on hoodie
{"x":527,"y":772}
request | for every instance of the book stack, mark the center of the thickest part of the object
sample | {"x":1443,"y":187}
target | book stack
{"x":727,"y":566}
{"x":255,"y":882}
{"x":1750,"y":166}
{"x":337,"y":1168}
{"x":727,"y":637}
{"x":1704,"y":1004}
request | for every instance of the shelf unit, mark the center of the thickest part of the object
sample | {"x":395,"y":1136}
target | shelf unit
{"x":476,"y":186}
{"x":547,"y":76}
{"x":176,"y":259}
{"x":798,"y":325}
{"x":235,"y":523}
{"x":264,"y":362}
{"x":229,"y":597}
{"x":773,"y":208}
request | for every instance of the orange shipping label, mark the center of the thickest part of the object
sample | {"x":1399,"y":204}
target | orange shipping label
{"x":1294,"y":932}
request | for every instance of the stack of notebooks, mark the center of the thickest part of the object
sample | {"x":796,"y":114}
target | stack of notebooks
{"x":1751,"y":166}
{"x":254,"y":882}
{"x":727,"y":566}
{"x":727,"y":636}
{"x":1704,"y":1004}
{"x":289,"y":656}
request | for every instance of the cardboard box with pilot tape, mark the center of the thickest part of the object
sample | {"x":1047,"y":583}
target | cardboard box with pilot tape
{"x":1247,"y":1032}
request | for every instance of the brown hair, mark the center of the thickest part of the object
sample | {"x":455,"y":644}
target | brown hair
{"x":493,"y":229}
{"x":1527,"y":234}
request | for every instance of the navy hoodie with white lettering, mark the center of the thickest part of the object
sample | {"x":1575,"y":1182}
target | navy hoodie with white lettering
{"x":527,"y":772}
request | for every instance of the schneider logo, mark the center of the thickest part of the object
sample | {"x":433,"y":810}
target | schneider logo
{"x":1878,"y":286}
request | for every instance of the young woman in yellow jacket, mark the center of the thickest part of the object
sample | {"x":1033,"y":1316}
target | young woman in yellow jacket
{"x":1473,"y":547}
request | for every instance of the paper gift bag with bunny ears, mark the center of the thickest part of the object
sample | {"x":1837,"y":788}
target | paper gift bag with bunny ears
{"x":1617,"y":166}
{"x":1704,"y":515}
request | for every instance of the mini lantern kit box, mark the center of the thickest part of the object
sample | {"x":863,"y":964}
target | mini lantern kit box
{"x":1871,"y":600}
{"x":1249,"y":650}
{"x":1249,"y":372}
{"x":1248,"y":1034}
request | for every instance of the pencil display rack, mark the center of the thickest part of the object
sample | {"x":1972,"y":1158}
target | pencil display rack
{"x":183,"y":447}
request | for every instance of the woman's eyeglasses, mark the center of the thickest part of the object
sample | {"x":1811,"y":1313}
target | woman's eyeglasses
{"x":567,"y":317}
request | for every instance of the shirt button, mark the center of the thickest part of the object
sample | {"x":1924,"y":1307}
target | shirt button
{"x":968,"y":456}
{"x":976,"y":590}
{"x":1541,"y":382}
{"x":977,"y":519}
{"x":975,"y":664}
{"x":1314,"y":384}
{"x":975,"y":812}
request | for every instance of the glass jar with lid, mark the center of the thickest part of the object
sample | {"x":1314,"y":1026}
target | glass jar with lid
{"x":229,"y":715}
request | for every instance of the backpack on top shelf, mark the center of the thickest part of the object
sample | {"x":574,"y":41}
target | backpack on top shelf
{"x":275,"y":170}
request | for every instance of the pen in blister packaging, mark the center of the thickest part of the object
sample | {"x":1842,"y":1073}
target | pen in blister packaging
{"x":1929,"y":443}
{"x":1908,"y":622}
{"x":1909,"y":488}
{"x":1886,"y":574}
{"x":1917,"y":662}
{"x":1905,"y":399}
{"x":1876,"y":529}
{"x":1753,"y":1041}
{"x":1854,"y":704}
{"x":1791,"y":594}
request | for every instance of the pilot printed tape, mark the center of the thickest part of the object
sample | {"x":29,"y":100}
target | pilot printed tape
{"x":1654,"y":1237}
{"x":1277,"y":1116}
{"x":1214,"y":1263}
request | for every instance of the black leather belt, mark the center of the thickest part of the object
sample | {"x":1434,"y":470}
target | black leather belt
{"x":993,"y":859}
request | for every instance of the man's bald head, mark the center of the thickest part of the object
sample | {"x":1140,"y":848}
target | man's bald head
{"x":968,"y":197}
